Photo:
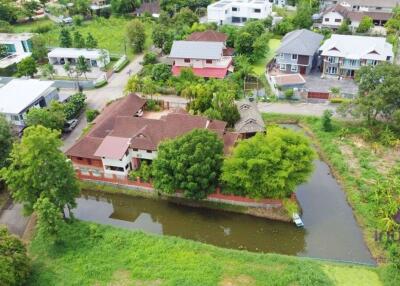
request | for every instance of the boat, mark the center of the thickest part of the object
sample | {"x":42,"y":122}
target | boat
{"x":297,"y":220}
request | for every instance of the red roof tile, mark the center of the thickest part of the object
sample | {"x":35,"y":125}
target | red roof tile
{"x":208,"y":36}
{"x":203,"y":72}
{"x":112,"y":147}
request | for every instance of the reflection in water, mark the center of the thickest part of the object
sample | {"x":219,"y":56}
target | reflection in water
{"x":210,"y":226}
{"x":330,"y":228}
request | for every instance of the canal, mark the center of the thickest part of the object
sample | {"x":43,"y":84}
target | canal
{"x":330,"y":231}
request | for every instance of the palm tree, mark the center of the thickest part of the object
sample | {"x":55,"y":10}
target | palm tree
{"x":134,"y":84}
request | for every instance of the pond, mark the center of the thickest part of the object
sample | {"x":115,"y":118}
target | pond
{"x":330,"y":231}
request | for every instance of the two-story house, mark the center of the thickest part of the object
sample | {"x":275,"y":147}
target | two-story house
{"x":20,"y":95}
{"x":343,"y":55}
{"x":298,"y":52}
{"x":238,"y":11}
{"x":205,"y":58}
{"x":19,"y":46}
{"x":120,"y":140}
{"x":370,"y":5}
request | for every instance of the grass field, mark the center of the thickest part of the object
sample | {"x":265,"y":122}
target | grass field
{"x":103,"y":255}
{"x":259,"y":67}
{"x":109,"y":33}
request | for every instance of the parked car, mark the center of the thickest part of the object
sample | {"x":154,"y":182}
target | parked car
{"x":70,"y":125}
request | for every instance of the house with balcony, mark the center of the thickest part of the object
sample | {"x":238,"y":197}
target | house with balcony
{"x":343,"y":55}
{"x":298,"y":52}
{"x":19,"y":96}
{"x":238,"y":11}
{"x":18,"y":46}
{"x":205,"y":58}
{"x":121,"y":138}
{"x":95,"y":58}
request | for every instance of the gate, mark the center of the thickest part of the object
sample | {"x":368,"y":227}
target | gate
{"x":318,"y":95}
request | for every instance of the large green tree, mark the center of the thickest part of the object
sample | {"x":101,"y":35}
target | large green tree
{"x":268,"y":166}
{"x":190,"y":163}
{"x":49,"y":219}
{"x":14,"y":261}
{"x":52,"y":117}
{"x":38,"y":168}
{"x":303,"y":16}
{"x":30,"y":8}
{"x":135,"y":32}
{"x":365,"y":25}
{"x":8,"y":11}
{"x":27,"y":67}
{"x":6,"y":140}
{"x":65,"y":38}
{"x":39,"y":49}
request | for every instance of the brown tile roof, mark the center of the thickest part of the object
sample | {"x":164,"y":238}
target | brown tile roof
{"x":358,"y":15}
{"x":228,"y":52}
{"x":289,"y":79}
{"x":208,"y":36}
{"x":113,"y":147}
{"x":85,"y":148}
{"x":230,"y":139}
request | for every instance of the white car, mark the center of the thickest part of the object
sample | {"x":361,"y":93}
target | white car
{"x":70,"y":125}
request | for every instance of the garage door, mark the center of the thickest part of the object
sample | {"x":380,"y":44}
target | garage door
{"x":319,"y":95}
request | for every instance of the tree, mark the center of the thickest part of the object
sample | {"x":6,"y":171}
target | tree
{"x":6,"y":140}
{"x":161,"y":72}
{"x":91,"y":114}
{"x":39,"y":49}
{"x":82,"y":67}
{"x":224,"y":104}
{"x":81,"y":7}
{"x":344,"y":28}
{"x":135,"y":33}
{"x":79,"y":41}
{"x":76,"y":103}
{"x":30,"y":8}
{"x":244,"y":43}
{"x":14,"y":261}
{"x":159,"y":35}
{"x":134,"y":84}
{"x":378,"y":92}
{"x":27,"y":67}
{"x":185,"y":17}
{"x":65,"y":38}
{"x":3,"y":51}
{"x":269,"y":166}
{"x":284,"y":26}
{"x":38,"y":168}
{"x":365,"y":25}
{"x":260,"y":47}
{"x":8,"y":11}
{"x":91,"y":42}
{"x":52,"y":117}
{"x":49,"y":219}
{"x":190,"y":163}
{"x":149,"y":87}
{"x":327,"y":121}
{"x":68,"y":69}
{"x":303,"y":17}
{"x":124,"y":6}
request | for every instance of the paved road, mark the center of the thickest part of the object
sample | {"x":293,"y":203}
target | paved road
{"x":14,"y":220}
{"x":98,"y":98}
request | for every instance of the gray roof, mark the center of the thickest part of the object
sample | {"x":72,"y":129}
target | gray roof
{"x":196,"y":50}
{"x":378,"y":3}
{"x":250,"y":118}
{"x":300,"y":42}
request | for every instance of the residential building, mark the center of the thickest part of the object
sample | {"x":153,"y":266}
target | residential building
{"x":238,"y":11}
{"x":343,"y":55}
{"x":152,"y":7}
{"x":205,"y":58}
{"x":94,"y":57}
{"x":212,"y":36}
{"x":334,"y":16}
{"x":298,"y":52}
{"x":250,"y":121}
{"x":120,"y":140}
{"x":370,"y":5}
{"x":280,"y":3}
{"x":19,"y":46}
{"x":20,"y":95}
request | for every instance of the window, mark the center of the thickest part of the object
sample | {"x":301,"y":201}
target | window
{"x":113,"y":168}
{"x":294,"y":57}
{"x":388,"y":58}
{"x":208,"y":61}
{"x":281,"y":56}
{"x":294,"y":68}
{"x":333,"y":60}
{"x":257,"y":10}
{"x":80,"y":158}
{"x":331,"y":70}
{"x":372,"y":62}
{"x":149,"y":151}
{"x":84,"y":171}
{"x":235,"y":9}
{"x":187,"y":60}
{"x":338,"y":20}
{"x":14,"y":118}
{"x":127,"y":167}
{"x":89,"y":161}
{"x":135,"y":149}
{"x":326,"y":19}
{"x":282,"y":67}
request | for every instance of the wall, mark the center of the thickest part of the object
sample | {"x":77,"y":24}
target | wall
{"x":288,"y":61}
{"x":329,"y":19}
{"x":142,"y":154}
{"x":117,"y":163}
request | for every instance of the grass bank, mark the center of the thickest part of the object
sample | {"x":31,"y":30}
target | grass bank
{"x":259,"y":67}
{"x":355,"y":162}
{"x":102,"y":255}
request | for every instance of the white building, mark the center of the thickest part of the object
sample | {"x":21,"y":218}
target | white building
{"x":343,"y":55}
{"x":238,"y":11}
{"x":19,"y":46}
{"x":94,"y":57}
{"x":20,"y":95}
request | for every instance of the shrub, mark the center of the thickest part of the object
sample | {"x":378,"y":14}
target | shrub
{"x":327,"y":121}
{"x":91,"y":114}
{"x":339,"y":100}
{"x":152,"y":105}
{"x":14,"y":262}
{"x":161,"y":72}
{"x":289,"y":93}
{"x":74,"y":105}
{"x":144,"y":173}
{"x":149,"y":58}
{"x":43,"y":28}
{"x":290,"y":206}
{"x":77,"y":20}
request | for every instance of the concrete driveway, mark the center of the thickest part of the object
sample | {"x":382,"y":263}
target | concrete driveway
{"x":98,"y":98}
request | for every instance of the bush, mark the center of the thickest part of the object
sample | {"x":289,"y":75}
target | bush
{"x":14,"y":262}
{"x":77,"y":20}
{"x":74,"y":105}
{"x":91,"y":114}
{"x":152,"y":105}
{"x":290,"y":206}
{"x":149,"y":58}
{"x":327,"y":120}
{"x":161,"y":72}
{"x":43,"y":28}
{"x":144,"y":173}
{"x":339,"y":100}
{"x":289,"y":93}
{"x":5,"y":27}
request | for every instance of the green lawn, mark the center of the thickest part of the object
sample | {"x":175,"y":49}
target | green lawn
{"x":259,"y":67}
{"x":109,"y":33}
{"x":102,"y":255}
